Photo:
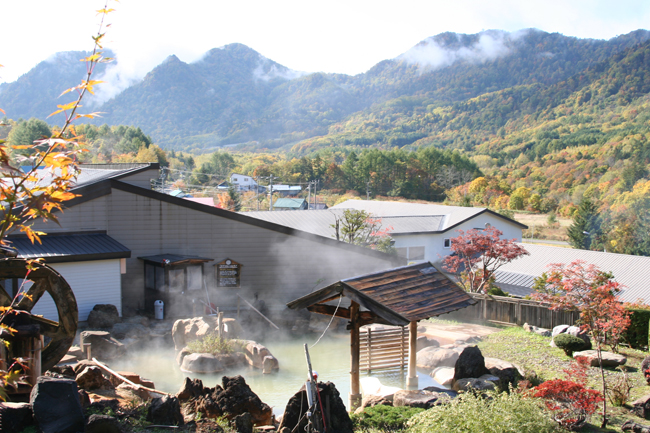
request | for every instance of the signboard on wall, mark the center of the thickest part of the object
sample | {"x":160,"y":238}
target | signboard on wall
{"x":227,"y":273}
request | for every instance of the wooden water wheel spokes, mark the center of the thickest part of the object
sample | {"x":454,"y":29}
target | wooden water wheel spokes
{"x":45,"y":279}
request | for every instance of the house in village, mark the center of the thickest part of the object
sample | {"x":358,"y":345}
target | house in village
{"x":286,"y":203}
{"x":122,"y":243}
{"x":243,"y":182}
{"x":422,"y":232}
{"x":285,"y":190}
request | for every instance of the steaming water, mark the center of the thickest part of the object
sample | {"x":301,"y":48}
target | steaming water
{"x":330,"y":358}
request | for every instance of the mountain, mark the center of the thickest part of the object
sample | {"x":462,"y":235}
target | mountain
{"x":235,"y":95}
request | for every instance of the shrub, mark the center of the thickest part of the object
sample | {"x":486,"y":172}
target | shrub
{"x":618,"y":391}
{"x":496,"y":291}
{"x":385,"y":418}
{"x":569,"y":343}
{"x":498,"y":413}
{"x":637,"y":333}
{"x":212,"y":343}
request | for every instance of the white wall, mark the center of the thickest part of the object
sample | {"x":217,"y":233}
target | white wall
{"x":92,"y":282}
{"x":434,"y":250}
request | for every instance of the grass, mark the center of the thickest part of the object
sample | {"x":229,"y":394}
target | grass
{"x":533,"y":354}
{"x":212,"y":343}
{"x":542,"y":229}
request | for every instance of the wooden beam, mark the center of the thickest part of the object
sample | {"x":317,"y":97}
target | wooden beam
{"x":344,"y":313}
{"x":355,"y":387}
{"x":412,"y":377}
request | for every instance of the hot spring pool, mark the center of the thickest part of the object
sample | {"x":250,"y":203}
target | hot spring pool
{"x":330,"y":358}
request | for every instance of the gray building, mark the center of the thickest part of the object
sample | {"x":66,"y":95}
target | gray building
{"x":279,"y":263}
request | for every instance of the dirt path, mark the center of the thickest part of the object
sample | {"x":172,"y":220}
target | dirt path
{"x":450,"y":333}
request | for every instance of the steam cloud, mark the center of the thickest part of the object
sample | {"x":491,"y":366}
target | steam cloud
{"x":430,"y":54}
{"x":267,"y":71}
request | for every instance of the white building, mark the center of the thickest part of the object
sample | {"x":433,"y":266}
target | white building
{"x":243,"y":182}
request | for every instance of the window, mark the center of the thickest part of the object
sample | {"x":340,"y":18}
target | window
{"x":402,"y":252}
{"x":416,"y":253}
{"x":234,"y":179}
{"x":447,"y":243}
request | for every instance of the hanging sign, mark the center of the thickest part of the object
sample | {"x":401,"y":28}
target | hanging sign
{"x":227,"y":273}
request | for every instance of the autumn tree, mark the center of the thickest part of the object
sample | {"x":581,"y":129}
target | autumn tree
{"x":594,"y":293}
{"x":361,"y":228}
{"x":584,"y":231}
{"x":477,"y":254}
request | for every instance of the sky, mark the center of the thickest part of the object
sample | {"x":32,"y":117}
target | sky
{"x":335,"y":36}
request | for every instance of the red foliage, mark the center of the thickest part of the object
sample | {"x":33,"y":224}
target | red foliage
{"x":477,"y":254}
{"x":569,"y":400}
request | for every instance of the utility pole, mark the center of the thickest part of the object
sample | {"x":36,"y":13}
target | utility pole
{"x":368,"y":190}
{"x":308,"y":194}
{"x":257,"y":191}
{"x":271,"y":192}
{"x":316,"y":182}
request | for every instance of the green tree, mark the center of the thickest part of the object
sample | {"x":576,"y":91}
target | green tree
{"x":27,"y":132}
{"x":584,"y":232}
{"x":361,"y":228}
{"x":235,"y":198}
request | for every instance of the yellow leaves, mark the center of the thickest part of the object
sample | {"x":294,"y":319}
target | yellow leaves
{"x":105,"y":11}
{"x":65,"y":107}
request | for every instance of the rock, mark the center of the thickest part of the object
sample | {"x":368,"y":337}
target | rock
{"x":269,"y":364}
{"x":56,"y":406}
{"x":426,"y":341}
{"x":122,"y":331}
{"x":642,"y":407}
{"x":128,"y":389}
{"x":375,"y":400}
{"x":63,"y":371}
{"x":187,"y":330}
{"x":243,"y":423}
{"x":102,"y":345}
{"x":430,"y":358}
{"x":449,"y":392}
{"x":542,"y":331}
{"x":202,"y":363}
{"x":609,"y":359}
{"x":443,"y":375}
{"x":419,"y":398}
{"x":128,"y":375}
{"x":102,"y":424}
{"x":645,"y":368}
{"x":256,"y":353}
{"x":490,"y":378}
{"x":294,"y":420}
{"x":527,"y":327}
{"x":472,"y":383}
{"x":468,"y":339}
{"x":82,"y":365}
{"x":182,"y":354}
{"x":84,"y":399}
{"x":630,"y":425}
{"x":103,"y":316}
{"x":559,"y":329}
{"x":507,"y":372}
{"x":92,"y":378}
{"x":577,"y":332}
{"x":237,"y":398}
{"x":165,"y":411}
{"x":470,"y":364}
{"x":191,"y":388}
{"x":77,"y":353}
{"x":15,"y":417}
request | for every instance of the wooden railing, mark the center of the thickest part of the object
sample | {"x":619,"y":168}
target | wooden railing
{"x":513,"y":311}
{"x":383,"y":348}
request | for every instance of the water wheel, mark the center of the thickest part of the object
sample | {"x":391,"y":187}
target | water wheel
{"x":58,"y":335}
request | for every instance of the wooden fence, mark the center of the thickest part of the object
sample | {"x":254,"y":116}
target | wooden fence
{"x":513,"y":311}
{"x":383,"y":348}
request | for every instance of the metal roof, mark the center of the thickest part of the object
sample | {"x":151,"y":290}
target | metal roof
{"x":451,"y":215}
{"x":292,"y":203}
{"x":320,"y":222}
{"x":395,"y":297}
{"x":633,"y":272}
{"x":164,"y":260}
{"x":71,"y":247}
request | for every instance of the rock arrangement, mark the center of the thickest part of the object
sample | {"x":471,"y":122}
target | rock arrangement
{"x":294,"y":418}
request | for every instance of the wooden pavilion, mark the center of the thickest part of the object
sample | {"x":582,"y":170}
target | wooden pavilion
{"x":399,"y":297}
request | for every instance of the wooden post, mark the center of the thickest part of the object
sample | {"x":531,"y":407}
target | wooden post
{"x":220,"y":324}
{"x":355,"y":393}
{"x":412,"y":379}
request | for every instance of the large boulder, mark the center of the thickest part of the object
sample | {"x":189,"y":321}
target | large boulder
{"x":102,"y":345}
{"x":443,"y":375}
{"x":103,"y":316}
{"x":187,"y":330}
{"x":91,"y":378}
{"x":191,"y":388}
{"x":507,"y":372}
{"x":426,"y":341}
{"x":294,"y":419}
{"x":15,"y":417}
{"x":237,"y":398}
{"x":204,"y":363}
{"x":559,"y":329}
{"x":473,"y":383}
{"x":609,"y":359}
{"x":102,"y":424}
{"x":165,"y":411}
{"x":430,"y":358}
{"x":56,"y":406}
{"x":642,"y":406}
{"x":630,"y":425}
{"x":259,"y":356}
{"x":419,"y":398}
{"x":470,"y":364}
{"x":571,"y":330}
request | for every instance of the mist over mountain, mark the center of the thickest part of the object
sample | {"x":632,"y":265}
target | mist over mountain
{"x":235,"y":95}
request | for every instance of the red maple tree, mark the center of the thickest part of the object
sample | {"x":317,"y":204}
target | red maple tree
{"x":477,"y":254}
{"x":584,"y":287}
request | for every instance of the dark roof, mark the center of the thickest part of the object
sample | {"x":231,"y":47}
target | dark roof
{"x":105,"y":187}
{"x":395,"y":297}
{"x":71,"y":247}
{"x":163,"y":260}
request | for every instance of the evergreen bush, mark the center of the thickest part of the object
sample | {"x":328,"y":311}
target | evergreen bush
{"x":569,"y":343}
{"x":384,"y":418}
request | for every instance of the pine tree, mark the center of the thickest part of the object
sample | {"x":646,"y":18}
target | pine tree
{"x":585,"y":231}
{"x":235,"y":198}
